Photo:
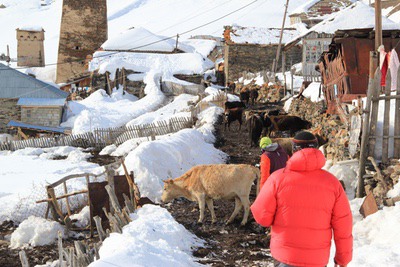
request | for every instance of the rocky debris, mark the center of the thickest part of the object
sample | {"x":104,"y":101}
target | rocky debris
{"x":379,"y":182}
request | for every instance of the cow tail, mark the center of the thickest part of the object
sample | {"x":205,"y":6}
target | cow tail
{"x":256,"y":172}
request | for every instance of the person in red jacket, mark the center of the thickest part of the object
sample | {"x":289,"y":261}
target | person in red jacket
{"x":305,"y":205}
{"x":273,"y":158}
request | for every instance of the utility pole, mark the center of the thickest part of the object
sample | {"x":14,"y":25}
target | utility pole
{"x":280,"y":39}
{"x":8,"y":58}
{"x":176,"y":44}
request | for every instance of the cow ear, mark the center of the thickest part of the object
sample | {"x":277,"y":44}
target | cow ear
{"x":168,"y":181}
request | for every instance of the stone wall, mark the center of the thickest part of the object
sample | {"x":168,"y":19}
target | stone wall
{"x":255,"y":58}
{"x":8,"y":111}
{"x":45,"y":116}
{"x":83,"y":31}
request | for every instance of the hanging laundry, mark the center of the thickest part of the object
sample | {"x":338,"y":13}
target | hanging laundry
{"x":394,"y":64}
{"x":384,"y":69}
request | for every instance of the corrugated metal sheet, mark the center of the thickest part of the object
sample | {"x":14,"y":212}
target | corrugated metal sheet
{"x":14,"y":84}
{"x":47,"y":102}
{"x":36,"y":127}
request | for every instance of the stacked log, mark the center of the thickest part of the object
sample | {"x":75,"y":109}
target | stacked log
{"x":327,"y":126}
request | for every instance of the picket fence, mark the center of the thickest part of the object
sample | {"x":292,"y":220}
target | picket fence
{"x":103,"y":137}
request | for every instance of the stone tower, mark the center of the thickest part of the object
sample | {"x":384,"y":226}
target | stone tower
{"x":30,"y":47}
{"x":83,"y":31}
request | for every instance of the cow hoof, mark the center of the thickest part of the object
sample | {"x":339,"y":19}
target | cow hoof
{"x":228,"y":222}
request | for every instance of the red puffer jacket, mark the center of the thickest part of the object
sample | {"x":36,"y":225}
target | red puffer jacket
{"x":304,"y":204}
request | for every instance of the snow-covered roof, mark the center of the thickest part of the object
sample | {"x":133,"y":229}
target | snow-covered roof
{"x":138,"y":39}
{"x":31,"y":28}
{"x":41,"y":102}
{"x":254,"y":35}
{"x":304,"y":7}
{"x":356,"y":16}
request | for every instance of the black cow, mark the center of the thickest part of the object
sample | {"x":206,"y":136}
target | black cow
{"x":289,"y":123}
{"x":253,"y":95}
{"x":245,"y":96}
{"x":233,"y":114}
{"x":259,"y":125}
{"x":234,"y":104}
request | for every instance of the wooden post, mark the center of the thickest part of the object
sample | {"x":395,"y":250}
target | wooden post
{"x":378,"y":24}
{"x":365,"y":132}
{"x":283,"y":72}
{"x":23,"y":258}
{"x":176,"y":44}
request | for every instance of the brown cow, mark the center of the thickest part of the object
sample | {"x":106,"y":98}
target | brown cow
{"x":203,"y":183}
{"x":285,"y":143}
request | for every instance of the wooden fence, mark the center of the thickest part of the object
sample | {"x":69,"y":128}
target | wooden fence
{"x":101,"y":138}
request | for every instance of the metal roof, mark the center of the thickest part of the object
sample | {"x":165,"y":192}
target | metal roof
{"x":36,"y":127}
{"x":48,"y":102}
{"x":15,"y":84}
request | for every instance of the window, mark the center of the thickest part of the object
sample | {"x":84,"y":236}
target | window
{"x":29,"y":113}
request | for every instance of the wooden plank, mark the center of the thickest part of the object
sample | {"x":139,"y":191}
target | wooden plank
{"x":66,"y":199}
{"x":374,"y":113}
{"x":386,"y":125}
{"x":397,"y":120}
{"x":368,"y":206}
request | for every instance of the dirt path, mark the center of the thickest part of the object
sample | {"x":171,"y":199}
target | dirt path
{"x":230,"y":245}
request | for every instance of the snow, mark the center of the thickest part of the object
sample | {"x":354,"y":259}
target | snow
{"x":81,"y":219}
{"x":31,"y":28}
{"x":304,"y":8}
{"x":170,"y":157}
{"x":138,"y":39}
{"x":153,"y":238}
{"x":256,"y":35}
{"x":312,"y":92}
{"x":36,"y":231}
{"x":24,"y":177}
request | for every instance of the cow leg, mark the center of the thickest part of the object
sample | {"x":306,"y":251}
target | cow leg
{"x":202,"y":206}
{"x":246,"y":206}
{"x":210,"y":205}
{"x":238,"y":205}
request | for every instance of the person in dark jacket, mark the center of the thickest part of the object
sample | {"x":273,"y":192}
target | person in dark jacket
{"x":273,"y":158}
{"x":305,"y":206}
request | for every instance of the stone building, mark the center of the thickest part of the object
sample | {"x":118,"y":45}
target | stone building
{"x":244,"y":53}
{"x":83,"y":31}
{"x":28,"y":100}
{"x":30,"y":47}
{"x":314,"y":11}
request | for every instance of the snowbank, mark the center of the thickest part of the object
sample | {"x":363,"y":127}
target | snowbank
{"x":153,"y":238}
{"x":155,"y":161}
{"x":35,"y":231}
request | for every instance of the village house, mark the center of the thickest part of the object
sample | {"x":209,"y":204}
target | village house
{"x":250,"y":49}
{"x":142,"y":46}
{"x":314,"y":11}
{"x":28,"y":103}
{"x":318,"y":38}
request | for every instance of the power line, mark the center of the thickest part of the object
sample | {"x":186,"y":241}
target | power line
{"x":141,"y":46}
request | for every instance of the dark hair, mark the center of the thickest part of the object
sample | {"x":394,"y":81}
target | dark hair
{"x":304,"y":139}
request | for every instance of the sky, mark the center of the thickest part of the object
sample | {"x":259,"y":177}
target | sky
{"x":153,"y":236}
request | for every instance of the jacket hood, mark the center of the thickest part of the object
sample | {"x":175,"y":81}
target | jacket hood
{"x":271,"y":147}
{"x":307,"y":159}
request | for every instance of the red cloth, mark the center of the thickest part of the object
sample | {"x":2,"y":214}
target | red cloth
{"x":384,"y":69}
{"x":304,"y":205}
